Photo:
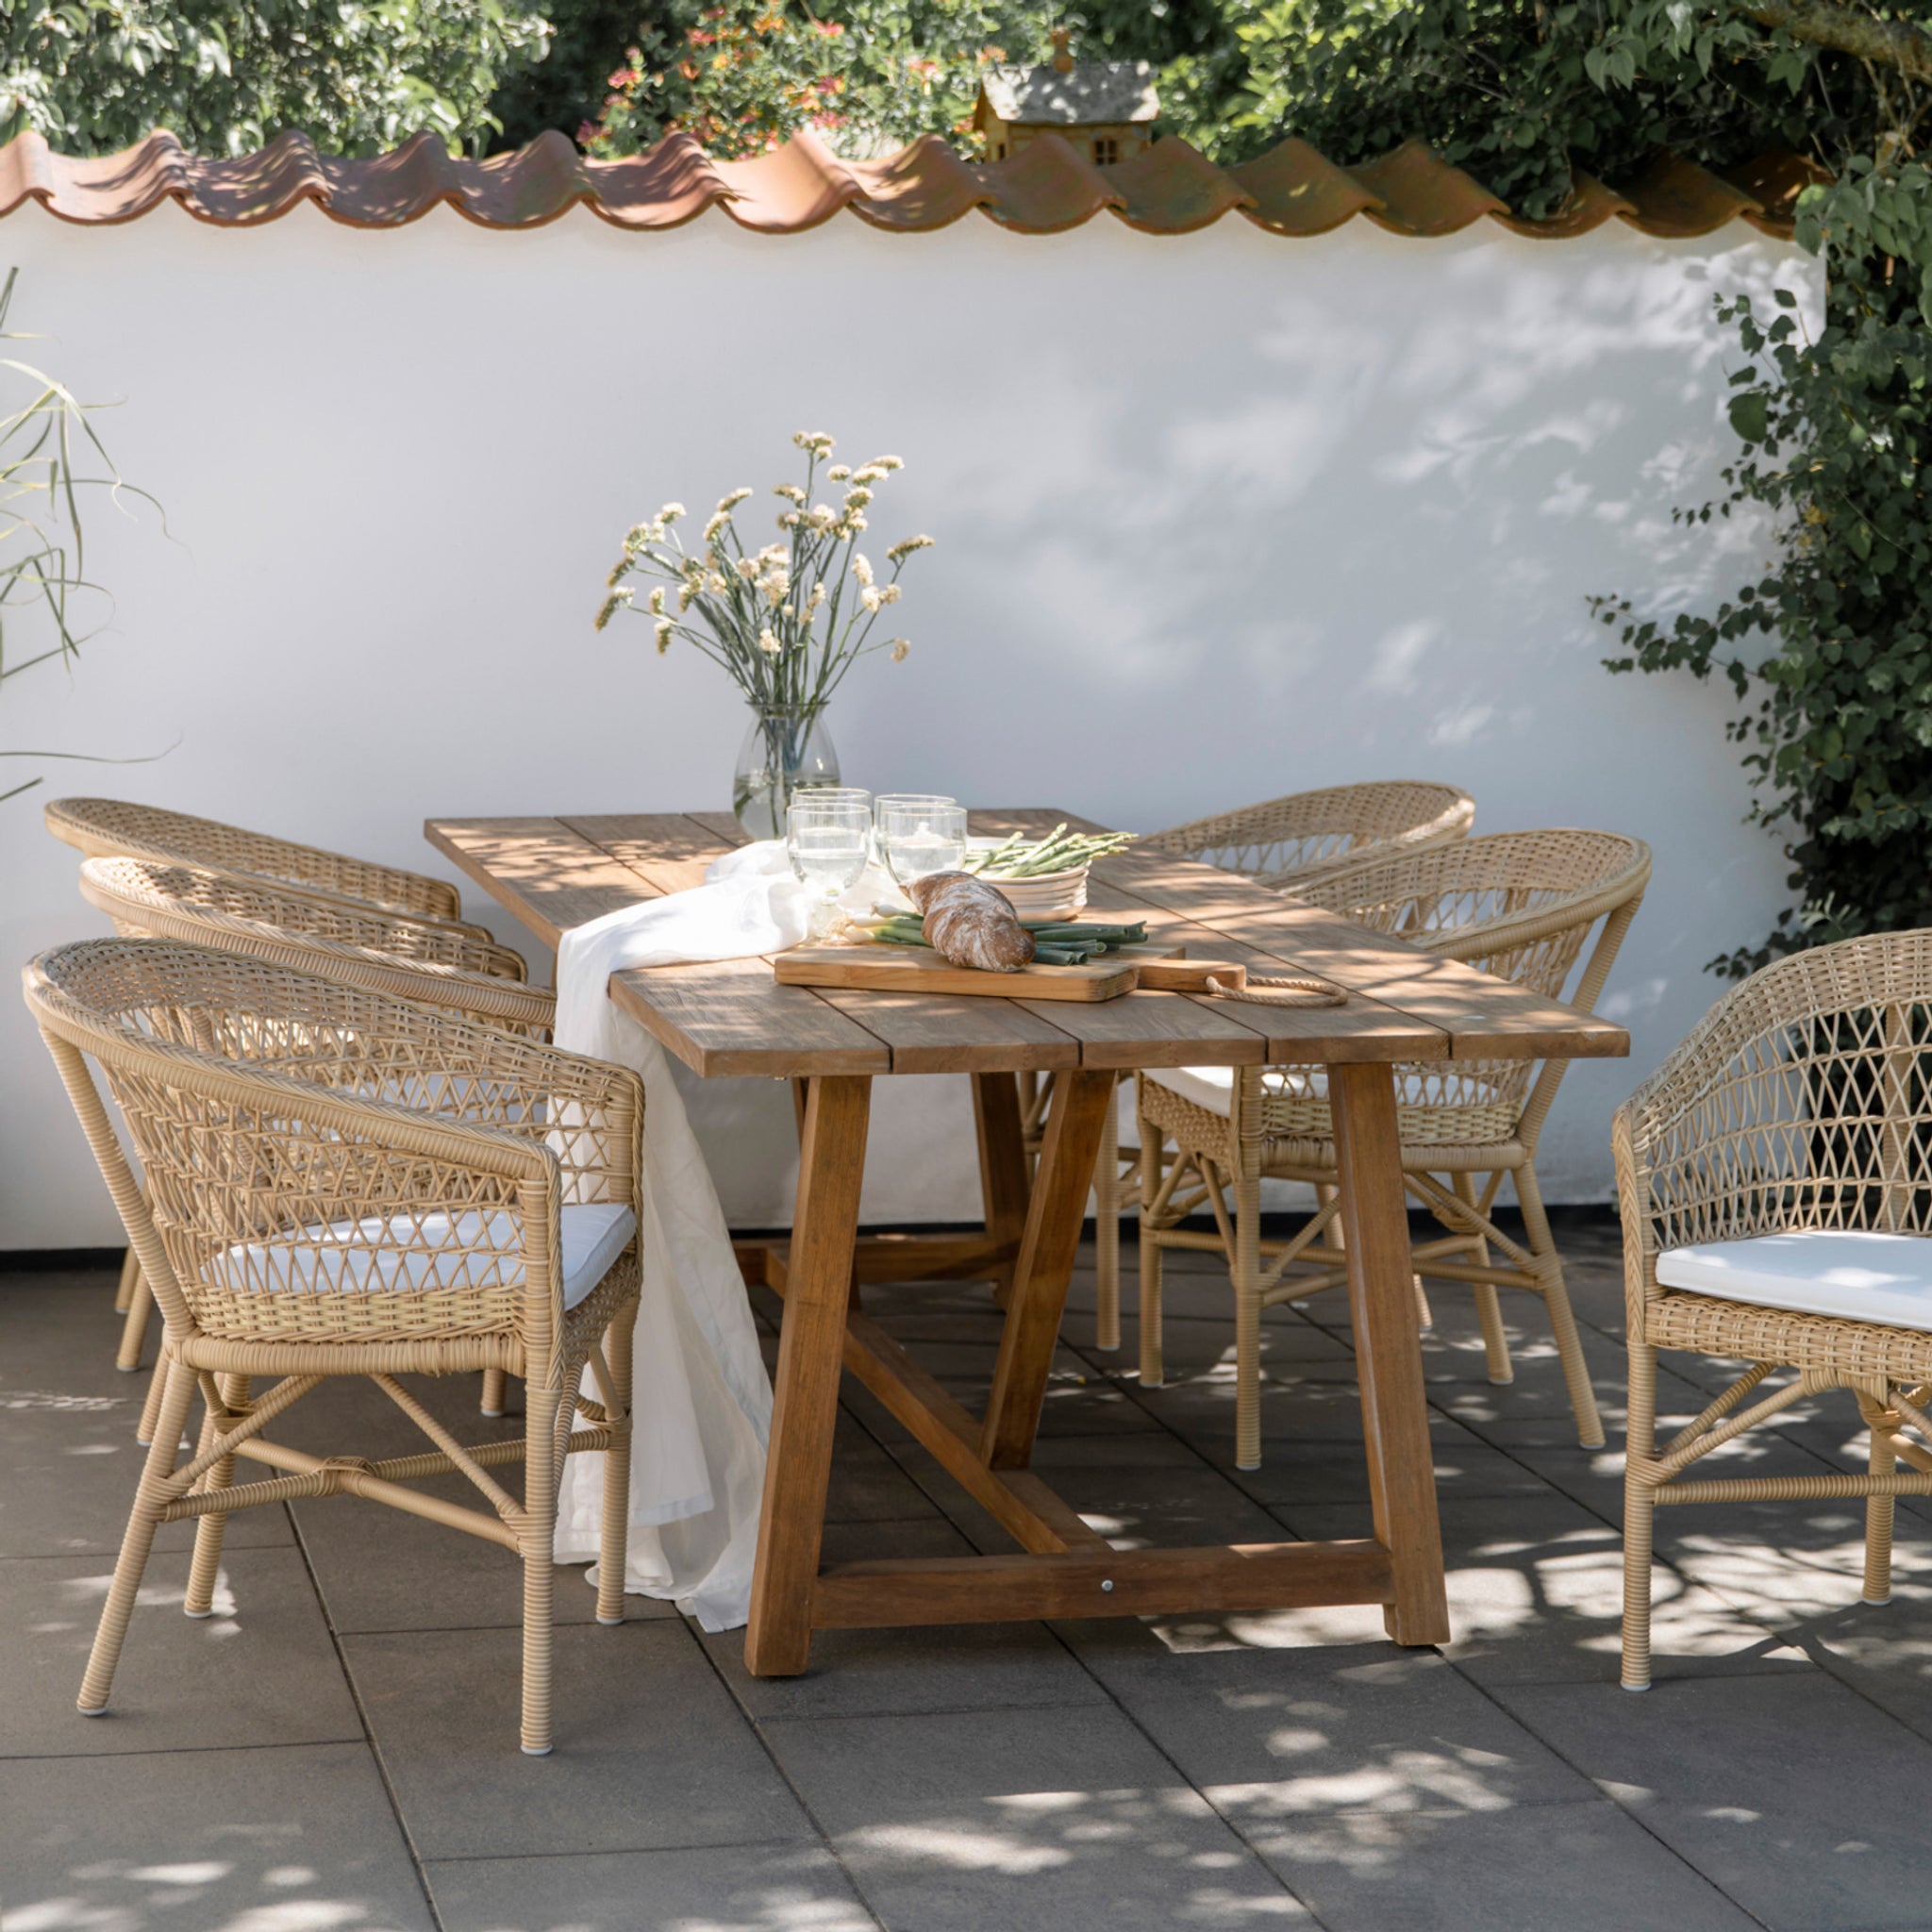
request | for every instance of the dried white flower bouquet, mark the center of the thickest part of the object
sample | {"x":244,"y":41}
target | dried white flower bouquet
{"x":789,"y":621}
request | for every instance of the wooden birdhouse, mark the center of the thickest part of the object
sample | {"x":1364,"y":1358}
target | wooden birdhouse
{"x":1105,"y":107}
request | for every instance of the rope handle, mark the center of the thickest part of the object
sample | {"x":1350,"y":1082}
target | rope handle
{"x":1280,"y":992}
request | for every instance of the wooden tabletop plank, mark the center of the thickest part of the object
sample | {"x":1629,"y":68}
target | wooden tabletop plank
{"x":720,"y":1018}
{"x":669,"y":848}
{"x":1364,"y":1030}
{"x":732,"y":1017}
{"x":548,"y":876}
{"x":924,"y":1034}
{"x":1483,"y":1016}
{"x":1295,"y":1034}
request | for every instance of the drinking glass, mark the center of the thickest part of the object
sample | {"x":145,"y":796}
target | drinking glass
{"x":827,"y":841}
{"x":920,"y":838}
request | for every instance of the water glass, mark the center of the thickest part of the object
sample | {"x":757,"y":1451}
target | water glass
{"x":918,"y":838}
{"x":829,"y":841}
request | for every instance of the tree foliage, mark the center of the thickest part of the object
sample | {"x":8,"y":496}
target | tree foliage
{"x":1830,"y":651}
{"x":226,"y":76}
{"x":872,"y":74}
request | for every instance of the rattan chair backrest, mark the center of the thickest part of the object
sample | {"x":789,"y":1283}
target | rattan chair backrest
{"x":1289,"y":843}
{"x":1519,"y":905}
{"x":389,"y":953}
{"x":1801,"y":1100}
{"x":288,"y":1125}
{"x":112,"y":828}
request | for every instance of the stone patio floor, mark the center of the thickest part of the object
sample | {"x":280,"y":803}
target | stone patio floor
{"x":335,"y":1751}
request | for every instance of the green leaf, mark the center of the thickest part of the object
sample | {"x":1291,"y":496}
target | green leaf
{"x":1749,"y":415}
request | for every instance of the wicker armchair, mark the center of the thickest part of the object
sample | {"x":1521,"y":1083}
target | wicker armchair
{"x":343,"y":1183}
{"x":1289,"y":842}
{"x":1775,"y":1181}
{"x":1285,"y":844}
{"x":1520,"y":904}
{"x":431,"y":962}
{"x":111,"y":828}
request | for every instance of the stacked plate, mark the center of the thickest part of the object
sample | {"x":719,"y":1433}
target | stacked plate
{"x":1049,"y":896}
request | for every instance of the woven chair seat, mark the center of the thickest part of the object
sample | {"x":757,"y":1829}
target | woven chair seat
{"x":415,"y":1254}
{"x":1739,"y":1331}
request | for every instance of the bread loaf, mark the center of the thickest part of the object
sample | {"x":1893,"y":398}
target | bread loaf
{"x":967,"y":924}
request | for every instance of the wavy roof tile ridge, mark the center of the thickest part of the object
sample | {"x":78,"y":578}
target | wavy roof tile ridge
{"x":1048,"y":186}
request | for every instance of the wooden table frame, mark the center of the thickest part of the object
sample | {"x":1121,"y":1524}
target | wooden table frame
{"x":556,"y":873}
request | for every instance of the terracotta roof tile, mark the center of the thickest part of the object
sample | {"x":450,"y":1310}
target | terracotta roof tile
{"x":1676,"y":197}
{"x":1589,"y":206}
{"x":1049,"y":185}
{"x":1295,"y":192}
{"x":1775,"y":181}
{"x":1170,"y":188}
{"x":924,"y":185}
{"x":1421,"y":196}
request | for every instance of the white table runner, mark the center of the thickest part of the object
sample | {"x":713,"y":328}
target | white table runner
{"x":701,"y":1399}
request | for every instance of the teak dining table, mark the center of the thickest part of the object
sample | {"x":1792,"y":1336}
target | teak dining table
{"x":732,"y":1019}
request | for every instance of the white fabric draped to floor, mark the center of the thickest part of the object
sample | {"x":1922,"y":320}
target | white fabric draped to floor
{"x":701,"y":1399}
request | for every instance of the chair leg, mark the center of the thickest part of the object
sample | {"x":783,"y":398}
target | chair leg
{"x":1107,"y":1232}
{"x":1248,"y":1323}
{"x":130,"y":1274}
{"x":140,"y":1306}
{"x":1882,"y":1461}
{"x":149,"y":1495}
{"x":1590,"y":1425}
{"x":1640,"y":1509}
{"x":1152,"y":1171}
{"x":1488,"y":1305}
{"x":150,"y":1408}
{"x":210,"y":1529}
{"x":614,"y":1543}
{"x":539,"y":1563}
{"x":496,"y":1388}
{"x":1152,"y":1369}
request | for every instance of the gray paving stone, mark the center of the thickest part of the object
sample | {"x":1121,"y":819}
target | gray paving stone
{"x":381,"y":1570}
{"x":719,"y":1888}
{"x":1334,"y":1728}
{"x":1783,"y":1562}
{"x":1585,"y":1867}
{"x":261,"y":1670}
{"x":650,"y":1750}
{"x":1294,"y":1475}
{"x":999,"y":1775}
{"x":67,"y":1445}
{"x":301,"y":1839}
{"x":866,"y":1673}
{"x":1885,"y":1653}
{"x":1797,"y":1797}
{"x":1536,"y":1595}
{"x":1064,"y":1819}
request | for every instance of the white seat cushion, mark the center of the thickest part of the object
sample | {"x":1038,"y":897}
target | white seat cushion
{"x":1846,"y":1273}
{"x":345,"y":1257}
{"x":1213,"y":1087}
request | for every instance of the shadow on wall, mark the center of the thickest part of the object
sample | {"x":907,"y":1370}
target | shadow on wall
{"x":1309,"y":545}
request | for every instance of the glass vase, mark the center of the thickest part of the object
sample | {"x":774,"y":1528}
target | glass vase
{"x":786,"y":749}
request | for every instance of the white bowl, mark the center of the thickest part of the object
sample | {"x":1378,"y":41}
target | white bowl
{"x":1052,"y":895}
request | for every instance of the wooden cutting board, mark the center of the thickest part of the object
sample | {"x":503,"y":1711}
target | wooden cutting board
{"x":909,"y":969}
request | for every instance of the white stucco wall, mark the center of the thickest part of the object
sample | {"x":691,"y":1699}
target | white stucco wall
{"x":1220,"y":516}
